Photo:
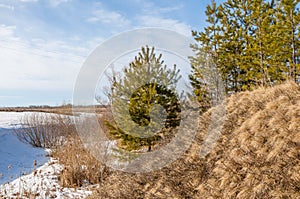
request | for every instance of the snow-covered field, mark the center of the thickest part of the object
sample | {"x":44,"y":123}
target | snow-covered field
{"x":17,"y":159}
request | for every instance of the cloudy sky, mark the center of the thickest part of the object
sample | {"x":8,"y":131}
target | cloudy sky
{"x":43,"y":43}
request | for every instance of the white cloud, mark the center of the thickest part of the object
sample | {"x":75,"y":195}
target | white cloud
{"x":38,"y":64}
{"x":54,"y":61}
{"x":6,"y":31}
{"x":168,"y":9}
{"x":160,"y":22}
{"x":153,"y":15}
{"x":7,"y":6}
{"x":108,"y":17}
{"x":28,"y":0}
{"x":150,"y":8}
{"x":55,"y":3}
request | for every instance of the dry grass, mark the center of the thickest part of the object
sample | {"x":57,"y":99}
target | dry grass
{"x":256,"y":156}
{"x":80,"y":167}
{"x":258,"y":153}
{"x":58,"y":132}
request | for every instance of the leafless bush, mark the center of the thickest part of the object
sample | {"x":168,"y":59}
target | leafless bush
{"x":45,"y":130}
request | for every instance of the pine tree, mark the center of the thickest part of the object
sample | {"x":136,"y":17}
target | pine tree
{"x":231,"y":47}
{"x":145,"y":83}
{"x":199,"y":82}
{"x":288,"y":27}
{"x":261,"y":35}
{"x":207,"y":55}
{"x":251,"y":42}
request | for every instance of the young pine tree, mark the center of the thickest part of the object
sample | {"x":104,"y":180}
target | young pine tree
{"x":145,"y":105}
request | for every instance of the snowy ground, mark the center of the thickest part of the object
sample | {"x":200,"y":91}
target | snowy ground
{"x":18,"y":159}
{"x":42,"y":183}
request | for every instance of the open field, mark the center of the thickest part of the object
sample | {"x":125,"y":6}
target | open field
{"x":67,"y":110}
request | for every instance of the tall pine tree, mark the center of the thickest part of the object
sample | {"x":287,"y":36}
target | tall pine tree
{"x":207,"y":55}
{"x":252,"y":42}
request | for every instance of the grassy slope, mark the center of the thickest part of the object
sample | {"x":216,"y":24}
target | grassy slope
{"x":257,"y":155}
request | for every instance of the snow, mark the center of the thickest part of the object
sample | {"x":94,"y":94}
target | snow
{"x":11,"y":119}
{"x":42,"y":183}
{"x":17,"y":159}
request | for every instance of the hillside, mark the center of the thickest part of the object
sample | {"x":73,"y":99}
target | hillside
{"x":256,"y":156}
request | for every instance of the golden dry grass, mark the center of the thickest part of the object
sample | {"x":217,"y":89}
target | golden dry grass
{"x":256,"y":156}
{"x":58,"y":132}
{"x":80,"y":167}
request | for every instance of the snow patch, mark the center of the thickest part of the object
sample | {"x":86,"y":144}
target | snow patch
{"x":43,"y":183}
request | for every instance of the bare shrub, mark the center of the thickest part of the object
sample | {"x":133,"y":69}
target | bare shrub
{"x":45,"y":130}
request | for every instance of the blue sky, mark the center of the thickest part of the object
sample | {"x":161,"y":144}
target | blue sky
{"x":43,"y":43}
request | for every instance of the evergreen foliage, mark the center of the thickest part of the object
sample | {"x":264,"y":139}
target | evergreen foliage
{"x":252,"y":43}
{"x":145,"y":105}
